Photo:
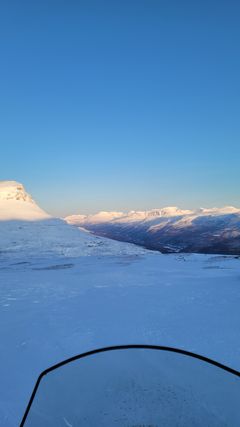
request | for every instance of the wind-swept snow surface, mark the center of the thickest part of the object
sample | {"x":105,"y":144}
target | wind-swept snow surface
{"x":64,"y":291}
{"x":56,"y":307}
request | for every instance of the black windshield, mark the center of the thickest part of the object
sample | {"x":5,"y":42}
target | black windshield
{"x":137,"y":387}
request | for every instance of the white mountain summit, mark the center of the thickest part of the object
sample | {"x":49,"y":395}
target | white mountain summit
{"x":151,"y":215}
{"x":17,"y":204}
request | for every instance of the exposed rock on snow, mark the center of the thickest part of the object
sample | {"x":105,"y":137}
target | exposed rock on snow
{"x":17,"y":204}
{"x":12,"y":190}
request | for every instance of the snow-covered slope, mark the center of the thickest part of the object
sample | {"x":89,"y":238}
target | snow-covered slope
{"x":53,"y":308}
{"x":25,"y":228}
{"x":56,"y":302}
{"x":99,"y":217}
{"x":171,"y":229}
{"x":17,"y":204}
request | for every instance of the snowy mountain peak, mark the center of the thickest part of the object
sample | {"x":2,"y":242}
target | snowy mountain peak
{"x":131,"y":216}
{"x":151,"y":215}
{"x":17,"y":204}
{"x":99,"y":217}
{"x":169,"y":211}
{"x":218,"y":211}
{"x":13,"y":190}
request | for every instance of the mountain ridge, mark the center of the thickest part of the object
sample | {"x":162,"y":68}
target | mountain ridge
{"x":204,"y":230}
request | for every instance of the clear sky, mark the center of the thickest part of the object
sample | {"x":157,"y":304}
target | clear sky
{"x":121,"y":104}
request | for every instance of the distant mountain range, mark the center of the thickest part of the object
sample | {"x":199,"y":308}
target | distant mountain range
{"x":167,"y":230}
{"x":170,"y":229}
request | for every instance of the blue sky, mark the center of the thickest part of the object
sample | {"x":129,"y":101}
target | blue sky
{"x":117,"y":105}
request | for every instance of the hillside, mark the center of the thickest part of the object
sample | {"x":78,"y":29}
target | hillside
{"x":170,"y":229}
{"x":64,"y":291}
{"x":26,"y":228}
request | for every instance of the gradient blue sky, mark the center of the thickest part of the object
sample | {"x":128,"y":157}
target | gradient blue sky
{"x":121,"y":104}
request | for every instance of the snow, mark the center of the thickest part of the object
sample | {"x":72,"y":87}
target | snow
{"x":137,"y":387}
{"x":21,"y":210}
{"x":152,"y":215}
{"x":14,"y":190}
{"x":54,"y":307}
{"x":64,"y":291}
{"x":99,"y":217}
{"x":16,"y":203}
{"x":219,"y":211}
{"x":171,"y":229}
{"x":53,"y":237}
{"x":125,"y":217}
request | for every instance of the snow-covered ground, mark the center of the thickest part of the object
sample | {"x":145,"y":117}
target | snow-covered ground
{"x":53,"y":308}
{"x":64,"y":291}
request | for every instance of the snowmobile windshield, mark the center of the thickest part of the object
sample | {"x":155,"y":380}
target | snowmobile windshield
{"x":136,"y":386}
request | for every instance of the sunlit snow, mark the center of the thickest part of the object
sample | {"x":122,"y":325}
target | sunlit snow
{"x":64,"y":291}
